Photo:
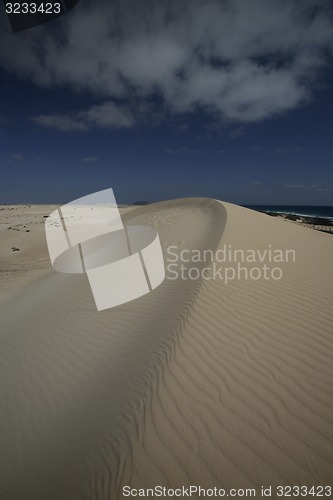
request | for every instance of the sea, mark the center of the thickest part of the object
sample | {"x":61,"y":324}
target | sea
{"x":305,"y":211}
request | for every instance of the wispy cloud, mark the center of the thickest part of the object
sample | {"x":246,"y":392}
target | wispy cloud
{"x":307,"y":187}
{"x":182,"y":127}
{"x":65,"y":123}
{"x":282,"y":151}
{"x":14,"y":157}
{"x":236,"y":132}
{"x":239,"y":60}
{"x":276,"y":151}
{"x":89,"y":159}
{"x":106,"y":115}
{"x":181,"y":150}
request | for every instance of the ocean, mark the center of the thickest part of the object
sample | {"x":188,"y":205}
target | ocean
{"x":306,"y":211}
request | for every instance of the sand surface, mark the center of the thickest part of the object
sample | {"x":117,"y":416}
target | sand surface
{"x":198,"y":382}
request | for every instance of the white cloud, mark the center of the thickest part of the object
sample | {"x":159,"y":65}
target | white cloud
{"x":240,"y":60}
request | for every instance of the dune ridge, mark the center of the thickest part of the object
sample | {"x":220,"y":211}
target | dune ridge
{"x":199,"y":382}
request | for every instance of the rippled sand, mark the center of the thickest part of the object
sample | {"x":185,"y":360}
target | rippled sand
{"x":198,"y":382}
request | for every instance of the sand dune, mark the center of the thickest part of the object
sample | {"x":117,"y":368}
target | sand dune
{"x":199,"y":382}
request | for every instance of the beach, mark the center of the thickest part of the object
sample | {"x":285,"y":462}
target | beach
{"x":203,"y":381}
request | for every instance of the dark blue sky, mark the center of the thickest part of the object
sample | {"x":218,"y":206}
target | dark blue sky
{"x":262,"y":137}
